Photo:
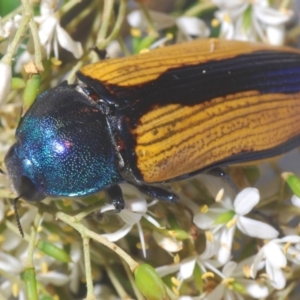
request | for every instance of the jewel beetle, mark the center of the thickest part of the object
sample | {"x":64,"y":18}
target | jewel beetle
{"x":156,"y":117}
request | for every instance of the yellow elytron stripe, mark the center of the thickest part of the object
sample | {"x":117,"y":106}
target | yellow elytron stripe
{"x":144,"y":67}
{"x":174,"y":140}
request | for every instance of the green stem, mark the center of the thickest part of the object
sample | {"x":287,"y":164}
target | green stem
{"x":97,"y":237}
{"x":37,"y":46}
{"x":106,"y":18}
{"x":81,"y":16}
{"x":87,"y":211}
{"x":88,"y":269}
{"x":35,"y":36}
{"x":197,"y":10}
{"x":68,"y":6}
{"x":117,"y":285}
{"x":152,"y":30}
{"x":102,"y":44}
{"x":123,"y":46}
{"x":8,"y":57}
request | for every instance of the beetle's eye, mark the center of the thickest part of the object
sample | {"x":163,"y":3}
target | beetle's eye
{"x":28,"y":190}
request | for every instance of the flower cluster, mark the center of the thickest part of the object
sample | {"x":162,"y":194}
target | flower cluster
{"x":215,"y":243}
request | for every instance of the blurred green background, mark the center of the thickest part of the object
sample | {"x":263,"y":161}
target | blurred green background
{"x":6,"y":6}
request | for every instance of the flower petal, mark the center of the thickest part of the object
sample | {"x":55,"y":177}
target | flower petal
{"x":258,"y":263}
{"x":271,"y":16}
{"x":295,"y":200}
{"x":276,"y":276}
{"x":256,"y":228}
{"x":229,"y":268}
{"x":113,"y":237}
{"x":205,"y":220}
{"x":130,"y":217}
{"x":294,"y":239}
{"x":187,"y":268}
{"x":53,"y":277}
{"x":46,"y":30}
{"x":168,"y":243}
{"x":68,"y":43}
{"x":136,"y":205}
{"x":217,"y":293}
{"x":10,"y":264}
{"x":246,"y":200}
{"x":166,"y":270}
{"x":254,"y":288}
{"x":274,"y":255}
{"x":5,"y":82}
{"x":137,"y":19}
{"x":226,"y":238}
{"x":192,"y":26}
{"x":276,"y":34}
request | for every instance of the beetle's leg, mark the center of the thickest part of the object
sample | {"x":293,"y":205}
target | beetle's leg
{"x":115,"y":197}
{"x":158,"y":193}
{"x":219,"y":172}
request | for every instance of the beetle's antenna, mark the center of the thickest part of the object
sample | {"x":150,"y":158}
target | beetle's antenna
{"x":15,"y":201}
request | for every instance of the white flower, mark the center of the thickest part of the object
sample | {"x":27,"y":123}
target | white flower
{"x":10,"y":26}
{"x":192,"y":26}
{"x":168,"y":243}
{"x":188,"y":26}
{"x":185,"y":268}
{"x":161,"y":20}
{"x":274,"y":256}
{"x":5,"y":83}
{"x":223,"y":217}
{"x":252,"y":21}
{"x":7,"y":31}
{"x":52,"y":34}
{"x":14,"y":240}
{"x":234,"y":283}
{"x":11,"y":265}
{"x":134,"y":210}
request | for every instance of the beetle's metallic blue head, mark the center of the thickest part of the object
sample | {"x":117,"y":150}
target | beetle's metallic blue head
{"x":63,"y":148}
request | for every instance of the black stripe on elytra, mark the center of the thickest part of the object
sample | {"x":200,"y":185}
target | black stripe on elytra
{"x":264,"y":71}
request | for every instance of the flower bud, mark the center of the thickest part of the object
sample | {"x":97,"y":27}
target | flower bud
{"x":31,"y":90}
{"x":54,"y":251}
{"x":149,"y":283}
{"x":31,"y":285}
{"x":293,"y":181}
